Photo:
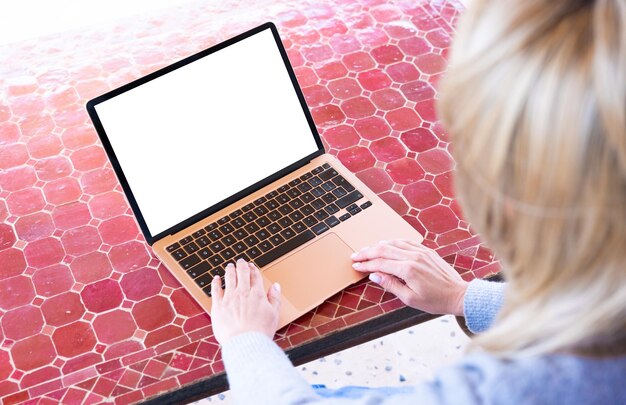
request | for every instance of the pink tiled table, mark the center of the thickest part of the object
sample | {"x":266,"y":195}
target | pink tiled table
{"x":87,"y":313}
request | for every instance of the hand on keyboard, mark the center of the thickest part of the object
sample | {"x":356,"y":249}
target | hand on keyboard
{"x":243,"y":306}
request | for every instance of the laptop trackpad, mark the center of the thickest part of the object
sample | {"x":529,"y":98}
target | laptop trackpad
{"x":310,"y":276}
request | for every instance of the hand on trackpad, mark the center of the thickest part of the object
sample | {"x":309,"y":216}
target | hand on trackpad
{"x":315,"y":273}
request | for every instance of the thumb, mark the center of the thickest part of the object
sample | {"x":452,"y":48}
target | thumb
{"x":394,"y":286}
{"x":273,"y":296}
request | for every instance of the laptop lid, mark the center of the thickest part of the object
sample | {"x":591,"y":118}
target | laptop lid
{"x":196,"y":136}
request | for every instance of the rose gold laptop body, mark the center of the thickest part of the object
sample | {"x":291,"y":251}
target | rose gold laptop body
{"x":312,"y":272}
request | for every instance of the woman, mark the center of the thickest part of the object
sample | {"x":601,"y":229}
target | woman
{"x":535,"y":99}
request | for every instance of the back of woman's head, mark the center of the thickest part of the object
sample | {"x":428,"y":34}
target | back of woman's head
{"x":535,"y":100}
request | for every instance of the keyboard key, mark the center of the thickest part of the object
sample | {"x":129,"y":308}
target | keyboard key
{"x":186,"y":240}
{"x":199,"y":269}
{"x":328,"y":174}
{"x":328,"y":198}
{"x":304,"y":187}
{"x":226,"y":229}
{"x":251,"y":228}
{"x":223,"y":220}
{"x":228,"y":254}
{"x":251,"y":240}
{"x":329,"y":186}
{"x":277,"y":240}
{"x":294,"y":192}
{"x":235,"y":214}
{"x":271,"y":194}
{"x":263,"y":222}
{"x":355,"y":211}
{"x":306,"y":176}
{"x":247,"y":207}
{"x":299,"y":227}
{"x":287,"y":233}
{"x":271,"y":205}
{"x":285,"y":209}
{"x":307,"y":197}
{"x":239,"y":247}
{"x":216,"y":260}
{"x":296,"y":216}
{"x":366,"y":204}
{"x":250,"y":216}
{"x":317,"y":170}
{"x":283,"y":249}
{"x":198,"y":233}
{"x":318,"y":204}
{"x":203,"y":241}
{"x":210,"y":227}
{"x":274,"y":228}
{"x":320,"y":228}
{"x":326,"y":166}
{"x":253,"y":252}
{"x":260,"y":210}
{"x":349,"y":199}
{"x":265,"y":246}
{"x":238,"y":223}
{"x":204,"y":280}
{"x":242,"y":256}
{"x":296,"y":203}
{"x":283,"y":199}
{"x":216,"y":246}
{"x":259,"y":201}
{"x":339,"y":192}
{"x":321,"y":215}
{"x":219,"y":271}
{"x":215,"y":235}
{"x":179,"y":254}
{"x":285,"y":222}
{"x":315,"y":181}
{"x":173,"y":247}
{"x":228,"y":240}
{"x":310,"y":221}
{"x":262,"y":234}
{"x":190,"y":261}
{"x":274,"y":216}
{"x":344,"y":217}
{"x":332,"y":221}
{"x":191,"y":247}
{"x":307,"y":210}
{"x":239,"y":234}
{"x":295,"y":182}
{"x":341,"y":182}
{"x":283,"y":188}
{"x":332,"y":208}
{"x":317,"y":192}
{"x":205,"y":253}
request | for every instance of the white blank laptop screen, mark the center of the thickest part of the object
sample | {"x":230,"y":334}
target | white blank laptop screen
{"x":201,"y":133}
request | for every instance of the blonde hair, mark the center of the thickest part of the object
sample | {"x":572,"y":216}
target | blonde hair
{"x":535,"y":100}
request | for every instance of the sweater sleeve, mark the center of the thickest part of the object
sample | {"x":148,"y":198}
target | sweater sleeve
{"x":482,"y":303}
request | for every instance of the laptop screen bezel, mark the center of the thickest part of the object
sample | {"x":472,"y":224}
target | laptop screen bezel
{"x":151,"y":239}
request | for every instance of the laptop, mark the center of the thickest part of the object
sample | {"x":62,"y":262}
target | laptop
{"x":220,"y":159}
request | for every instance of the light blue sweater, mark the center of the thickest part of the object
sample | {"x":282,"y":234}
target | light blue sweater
{"x":260,"y":373}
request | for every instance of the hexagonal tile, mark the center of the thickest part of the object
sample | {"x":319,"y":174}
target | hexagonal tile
{"x":33,"y":352}
{"x":153,"y":313}
{"x":372,"y":128}
{"x":388,"y":149}
{"x":62,"y":309}
{"x":356,"y":158}
{"x":403,"y":72}
{"x":405,"y":171}
{"x":373,"y":80}
{"x":53,"y":280}
{"x":102,"y":295}
{"x":22,"y":322}
{"x":91,"y":267}
{"x":358,"y":61}
{"x":79,"y":241}
{"x":44,"y":252}
{"x":421,"y":194}
{"x":72,"y":215}
{"x":17,"y":178}
{"x":53,"y":168}
{"x":13,"y":263}
{"x":141,"y":284}
{"x":34,"y":226}
{"x":341,"y":136}
{"x":114,"y":326}
{"x":74,"y":339}
{"x":24,"y":202}
{"x":358,"y":107}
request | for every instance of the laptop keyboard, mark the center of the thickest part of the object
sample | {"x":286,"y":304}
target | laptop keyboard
{"x":271,"y":226}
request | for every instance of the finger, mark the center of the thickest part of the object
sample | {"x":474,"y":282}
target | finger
{"x":400,"y":269}
{"x":394,"y":286}
{"x":384,"y":250}
{"x":243,"y":275}
{"x":273,"y":296}
{"x":216,"y":289}
{"x":256,"y":280}
{"x":230,"y":277}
